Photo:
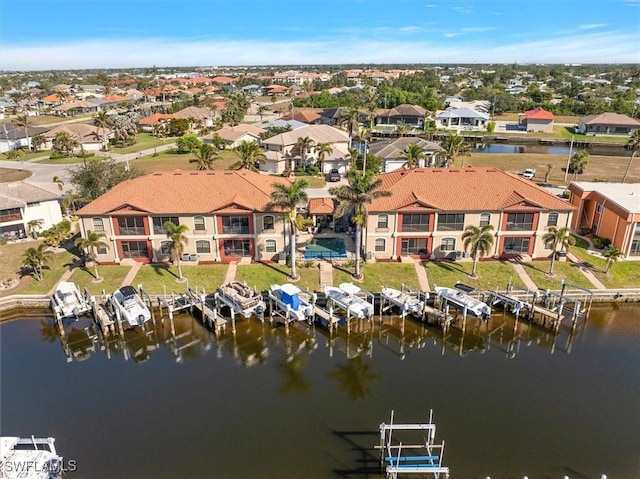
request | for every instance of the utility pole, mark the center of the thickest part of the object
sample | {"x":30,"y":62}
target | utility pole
{"x":566,"y":171}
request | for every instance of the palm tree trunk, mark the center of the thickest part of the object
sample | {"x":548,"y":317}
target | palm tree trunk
{"x":357,"y":273}
{"x":292,"y":243}
{"x":553,"y":262}
{"x":179,"y":267}
{"x":626,"y":172}
{"x":475,"y":263}
{"x":95,"y":266}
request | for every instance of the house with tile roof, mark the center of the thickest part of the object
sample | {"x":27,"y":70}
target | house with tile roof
{"x":235,"y":135}
{"x":609,"y":210}
{"x":458,"y":119}
{"x":20,"y":203}
{"x":607,"y":124}
{"x":429,"y":208}
{"x":283,"y":153}
{"x":198,"y":115}
{"x":392,"y":152}
{"x":228,"y":213}
{"x":537,"y":120}
{"x":89,"y":137}
{"x":412,"y":115}
{"x":13,"y":137}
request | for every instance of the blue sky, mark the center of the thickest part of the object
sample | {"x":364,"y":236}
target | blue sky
{"x":64,"y":34}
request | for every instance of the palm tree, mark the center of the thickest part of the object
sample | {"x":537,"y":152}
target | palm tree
{"x":251,"y":154}
{"x":480,"y":240}
{"x":353,"y":156}
{"x":33,"y":226}
{"x":205,"y":156}
{"x":547,"y":173}
{"x":23,"y":121}
{"x":64,"y":142}
{"x":634,"y":145}
{"x":36,"y":258}
{"x":453,"y":146}
{"x":350,"y":120}
{"x":578,"y":162}
{"x":612,"y":254}
{"x":102,"y":121}
{"x":362,"y":190}
{"x":288,"y":198}
{"x":176,"y":233}
{"x":90,"y":245}
{"x":304,"y":143}
{"x":557,"y":236}
{"x":402,"y":128}
{"x":413,"y":153}
{"x":37,"y":141}
{"x":324,"y":150}
{"x":58,"y":181}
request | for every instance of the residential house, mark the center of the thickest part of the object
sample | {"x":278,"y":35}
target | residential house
{"x":76,"y":107}
{"x":609,"y":210}
{"x":228,"y":215}
{"x":89,"y":137}
{"x":283,"y":152}
{"x":21,"y":203}
{"x":412,"y":115}
{"x":304,"y":116}
{"x":429,"y":208}
{"x":235,"y":135}
{"x":148,"y":123}
{"x":607,"y":124}
{"x":537,"y":120}
{"x":203,"y":116}
{"x":392,"y":151}
{"x":462,"y":119}
{"x":13,"y":136}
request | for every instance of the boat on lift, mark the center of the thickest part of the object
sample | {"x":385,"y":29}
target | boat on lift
{"x":461,"y":300}
{"x":129,"y":307}
{"x":68,"y":302}
{"x":289,"y":299}
{"x":242,"y":299}
{"x":351,"y":299}
{"x":410,"y":302}
{"x":29,"y":458}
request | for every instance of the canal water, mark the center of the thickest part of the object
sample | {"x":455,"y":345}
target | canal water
{"x":546,"y":149}
{"x":508,"y":401}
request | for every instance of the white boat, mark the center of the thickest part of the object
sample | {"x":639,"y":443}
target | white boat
{"x":289,"y":301}
{"x":129,"y":307}
{"x":242,"y":299}
{"x":68,"y":302}
{"x":460,"y":300}
{"x":348,"y":297}
{"x":408,"y":302}
{"x":29,"y":458}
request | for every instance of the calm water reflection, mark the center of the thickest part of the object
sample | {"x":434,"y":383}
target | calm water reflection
{"x":181,"y":403}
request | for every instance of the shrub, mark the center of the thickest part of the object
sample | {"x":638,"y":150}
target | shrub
{"x":584,"y":231}
{"x":600,"y":243}
{"x":86,"y":155}
{"x":313,"y":170}
{"x":56,"y":156}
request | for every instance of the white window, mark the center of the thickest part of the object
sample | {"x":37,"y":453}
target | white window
{"x":552,"y":220}
{"x":448,"y":244}
{"x":268,"y":223}
{"x":203,"y":247}
{"x":380,"y":245}
{"x":102,"y":249}
{"x":270,"y":246}
{"x":98,"y":224}
{"x":383,"y":221}
{"x":485,"y":219}
{"x":198,"y":223}
{"x":165,"y":247}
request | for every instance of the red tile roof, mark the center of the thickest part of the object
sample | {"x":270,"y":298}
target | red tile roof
{"x":321,"y":206}
{"x":187,"y":192}
{"x":469,"y":189}
{"x":157,"y":118}
{"x":538,"y":114}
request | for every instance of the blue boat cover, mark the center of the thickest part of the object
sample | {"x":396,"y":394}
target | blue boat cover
{"x":292,"y":300}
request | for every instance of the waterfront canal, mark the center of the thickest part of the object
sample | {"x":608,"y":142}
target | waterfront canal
{"x":263,"y":404}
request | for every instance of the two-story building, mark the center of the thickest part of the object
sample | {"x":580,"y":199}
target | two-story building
{"x":22,"y":203}
{"x":227,"y":213}
{"x":429,"y":208}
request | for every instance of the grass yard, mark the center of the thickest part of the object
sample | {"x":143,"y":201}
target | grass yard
{"x":492,"y":275}
{"x":377,"y":275}
{"x":66,"y":160}
{"x":29,"y":156}
{"x":263,"y":275}
{"x":566,"y":271}
{"x":8,"y":175}
{"x":112,"y":278}
{"x":166,"y":161}
{"x":160,"y":278}
{"x":146,"y":141}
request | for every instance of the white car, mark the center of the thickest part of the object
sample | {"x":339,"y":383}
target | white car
{"x":529,"y":173}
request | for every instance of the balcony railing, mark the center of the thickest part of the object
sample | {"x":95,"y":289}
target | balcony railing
{"x":10,"y":217}
{"x":132,"y":231}
{"x":519,"y":226}
{"x":235,"y":230}
{"x":420,"y":228}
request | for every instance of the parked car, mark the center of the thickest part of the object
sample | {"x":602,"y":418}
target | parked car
{"x":334,"y":175}
{"x":529,"y":173}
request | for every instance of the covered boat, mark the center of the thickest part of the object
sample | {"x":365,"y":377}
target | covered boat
{"x":405,"y":300}
{"x":351,"y":299}
{"x":460,"y":300}
{"x":129,"y":307}
{"x":241,"y":298}
{"x":288,"y":300}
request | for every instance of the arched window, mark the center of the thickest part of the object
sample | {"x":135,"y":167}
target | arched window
{"x":485,"y":219}
{"x":268,"y":223}
{"x":552,"y":220}
{"x":383,"y":221}
{"x":380,"y":245}
{"x":198,"y":223}
{"x":270,"y":246}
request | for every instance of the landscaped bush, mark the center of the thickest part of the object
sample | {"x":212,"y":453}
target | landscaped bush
{"x":313,"y":170}
{"x":600,"y":243}
{"x":86,"y":155}
{"x":584,"y":231}
{"x":56,"y":156}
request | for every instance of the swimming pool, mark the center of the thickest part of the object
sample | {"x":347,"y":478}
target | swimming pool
{"x":325,"y":248}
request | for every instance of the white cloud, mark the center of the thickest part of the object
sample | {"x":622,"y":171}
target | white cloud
{"x":410,"y":28}
{"x":478,"y":29}
{"x":586,"y":47}
{"x":451,"y":34}
{"x":591,"y":26}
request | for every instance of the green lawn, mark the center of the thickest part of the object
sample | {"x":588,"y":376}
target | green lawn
{"x":492,"y":275}
{"x":66,"y":160}
{"x":377,"y":275}
{"x":262,"y":276}
{"x":29,"y":156}
{"x":158,"y":279}
{"x":58,"y":264}
{"x":566,"y":271}
{"x":623,"y":274}
{"x":567,"y":132}
{"x":146,"y":141}
{"x":166,"y":161}
{"x":112,"y":275}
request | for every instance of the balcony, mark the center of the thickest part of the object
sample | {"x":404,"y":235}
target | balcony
{"x":519,"y":226}
{"x":132,"y":231}
{"x":235,"y":230}
{"x":7,"y":217}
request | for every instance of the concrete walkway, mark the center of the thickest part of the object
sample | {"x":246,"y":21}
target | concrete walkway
{"x":65,"y":277}
{"x":326,"y":274}
{"x":524,"y":277}
{"x":131,"y":275}
{"x":585,"y":271}
{"x":231,"y":272}
{"x":421,"y":273}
